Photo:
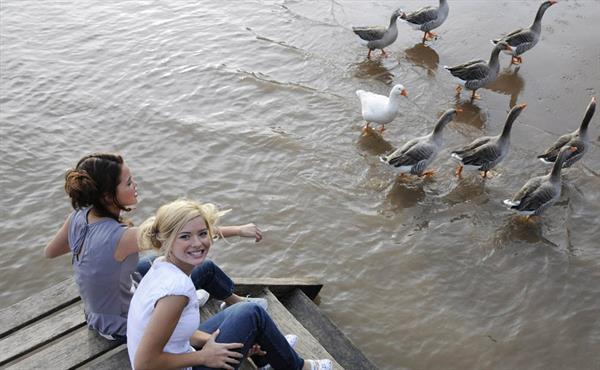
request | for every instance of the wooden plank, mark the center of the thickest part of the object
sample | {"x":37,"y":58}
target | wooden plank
{"x":278,"y":286}
{"x":65,"y":293}
{"x":326,"y":332}
{"x":119,"y":359}
{"x":116,"y":358}
{"x":71,"y":351}
{"x":308,"y":346}
{"x":41,"y":332}
{"x":38,"y":306}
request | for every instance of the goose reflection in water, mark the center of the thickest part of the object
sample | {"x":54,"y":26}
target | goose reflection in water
{"x":520,"y":228}
{"x":508,"y":82}
{"x":374,"y":69}
{"x":471,"y":113}
{"x":423,"y":56}
{"x":373,"y":143}
{"x":470,"y":190}
{"x":407,"y":192}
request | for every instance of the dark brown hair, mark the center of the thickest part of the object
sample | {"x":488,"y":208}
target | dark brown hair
{"x":95,"y":177}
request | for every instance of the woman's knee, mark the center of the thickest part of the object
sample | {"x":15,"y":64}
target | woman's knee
{"x":249,"y":310}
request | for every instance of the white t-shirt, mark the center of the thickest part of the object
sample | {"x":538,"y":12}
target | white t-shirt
{"x":163,"y":279}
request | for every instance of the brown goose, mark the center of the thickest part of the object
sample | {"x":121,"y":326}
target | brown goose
{"x":414,"y":156}
{"x":578,"y":138}
{"x":378,"y":37}
{"x":477,"y":73}
{"x":540,"y":192}
{"x":486,"y":152}
{"x":524,"y":39}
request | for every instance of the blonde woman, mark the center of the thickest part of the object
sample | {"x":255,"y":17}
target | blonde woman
{"x":164,"y":315}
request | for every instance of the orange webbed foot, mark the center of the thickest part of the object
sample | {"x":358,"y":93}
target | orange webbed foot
{"x":365,"y":129}
{"x":475,"y":96}
{"x":458,"y":171}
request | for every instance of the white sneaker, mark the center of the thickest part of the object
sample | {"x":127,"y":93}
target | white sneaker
{"x":203,"y":296}
{"x":320,"y":364}
{"x":292,"y":340}
{"x":259,"y":301}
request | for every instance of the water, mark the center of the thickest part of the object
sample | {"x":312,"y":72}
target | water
{"x":251,"y":105}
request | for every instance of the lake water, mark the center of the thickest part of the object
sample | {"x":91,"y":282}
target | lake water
{"x":252,"y":105}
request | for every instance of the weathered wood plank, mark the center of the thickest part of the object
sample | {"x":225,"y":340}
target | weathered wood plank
{"x":115,"y":359}
{"x":38,"y":306}
{"x":41,"y":332}
{"x":278,"y":286}
{"x":308,"y":346}
{"x":65,"y":293}
{"x":71,"y":351}
{"x":118,"y":359}
{"x":326,"y":332}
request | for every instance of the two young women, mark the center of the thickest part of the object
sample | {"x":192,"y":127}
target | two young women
{"x":105,"y":248}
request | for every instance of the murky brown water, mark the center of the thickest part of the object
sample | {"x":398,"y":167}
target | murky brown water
{"x":251,"y":104}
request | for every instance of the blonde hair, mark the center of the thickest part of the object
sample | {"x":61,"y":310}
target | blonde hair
{"x":159,"y":231}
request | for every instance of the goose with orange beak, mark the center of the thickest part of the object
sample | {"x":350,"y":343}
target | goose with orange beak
{"x":380,"y":108}
{"x":486,"y":152}
{"x":539,"y":193}
{"x":525,"y":39}
{"x":417,"y":154}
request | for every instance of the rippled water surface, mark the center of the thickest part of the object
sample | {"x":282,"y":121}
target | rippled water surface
{"x":251,"y":104}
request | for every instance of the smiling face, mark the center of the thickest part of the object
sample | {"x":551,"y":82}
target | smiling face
{"x":127,"y":189}
{"x":191,"y":245}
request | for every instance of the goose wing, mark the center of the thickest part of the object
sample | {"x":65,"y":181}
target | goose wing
{"x":536,"y":196}
{"x":518,"y":37}
{"x":465,"y":150}
{"x":473,"y":70}
{"x":411,"y":155}
{"x":552,"y":152}
{"x":422,"y":16}
{"x":481,"y":155}
{"x":369,"y":33}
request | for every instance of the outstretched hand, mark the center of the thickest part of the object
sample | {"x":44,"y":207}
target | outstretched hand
{"x":251,"y":231}
{"x":220,"y":355}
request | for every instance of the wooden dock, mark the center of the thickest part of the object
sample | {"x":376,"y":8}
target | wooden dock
{"x":48,"y":330}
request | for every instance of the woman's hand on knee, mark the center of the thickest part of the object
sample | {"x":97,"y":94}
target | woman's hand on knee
{"x":220,"y":355}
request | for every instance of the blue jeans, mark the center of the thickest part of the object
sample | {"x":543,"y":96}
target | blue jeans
{"x":207,"y":276}
{"x":248,"y":323}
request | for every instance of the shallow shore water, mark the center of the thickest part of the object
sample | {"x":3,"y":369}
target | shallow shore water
{"x":252,"y":105}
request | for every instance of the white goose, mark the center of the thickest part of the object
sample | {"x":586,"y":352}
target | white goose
{"x":379,"y":108}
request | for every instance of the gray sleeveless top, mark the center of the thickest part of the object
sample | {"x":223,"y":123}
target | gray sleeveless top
{"x":104,"y":284}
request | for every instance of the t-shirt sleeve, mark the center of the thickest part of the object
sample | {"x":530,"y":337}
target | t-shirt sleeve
{"x":179,"y":285}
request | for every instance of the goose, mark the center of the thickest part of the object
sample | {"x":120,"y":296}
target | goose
{"x":427,"y":19}
{"x":578,"y":138}
{"x":477,"y":73}
{"x":378,"y":37}
{"x":414,"y":156}
{"x":540,"y":192}
{"x":486,"y":152}
{"x":524,"y":39}
{"x":379,"y":108}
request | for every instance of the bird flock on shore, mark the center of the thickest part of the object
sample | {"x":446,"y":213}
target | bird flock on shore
{"x":486,"y":152}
